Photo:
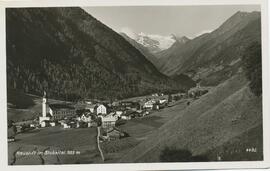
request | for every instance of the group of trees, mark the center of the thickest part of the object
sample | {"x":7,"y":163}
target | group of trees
{"x":252,"y":64}
{"x":75,"y":81}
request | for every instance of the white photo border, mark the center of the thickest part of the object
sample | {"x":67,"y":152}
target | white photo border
{"x":138,"y":166}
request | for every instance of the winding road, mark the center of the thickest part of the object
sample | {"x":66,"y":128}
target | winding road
{"x":100,"y":150}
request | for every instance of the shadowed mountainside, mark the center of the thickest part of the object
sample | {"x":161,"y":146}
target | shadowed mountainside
{"x":72,"y":55}
{"x":142,"y":49}
{"x":214,"y":57}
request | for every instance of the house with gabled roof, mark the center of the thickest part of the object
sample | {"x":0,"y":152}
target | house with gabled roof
{"x":101,"y":109}
{"x":84,"y":117}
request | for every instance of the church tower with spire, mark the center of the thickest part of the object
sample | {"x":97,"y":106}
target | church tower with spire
{"x":44,"y":118}
{"x":44,"y":104}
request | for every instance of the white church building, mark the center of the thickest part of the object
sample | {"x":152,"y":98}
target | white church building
{"x":45,"y":116}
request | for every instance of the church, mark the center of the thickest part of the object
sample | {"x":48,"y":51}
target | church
{"x":54,"y":112}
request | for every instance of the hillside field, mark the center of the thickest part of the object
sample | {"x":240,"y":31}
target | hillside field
{"x":55,"y":138}
{"x":228,"y":111}
{"x":139,"y":130}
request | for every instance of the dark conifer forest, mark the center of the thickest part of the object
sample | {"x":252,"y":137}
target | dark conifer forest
{"x":71,"y":55}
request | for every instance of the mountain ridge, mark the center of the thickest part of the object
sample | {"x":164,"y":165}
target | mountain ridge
{"x":153,"y":42}
{"x":57,"y":49}
{"x":212,"y":46}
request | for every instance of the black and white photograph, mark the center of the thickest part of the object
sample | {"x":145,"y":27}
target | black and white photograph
{"x":134,"y":84}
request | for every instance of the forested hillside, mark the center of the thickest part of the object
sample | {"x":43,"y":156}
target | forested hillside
{"x":72,"y":55}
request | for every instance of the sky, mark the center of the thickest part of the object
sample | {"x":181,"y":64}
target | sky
{"x":189,"y":21}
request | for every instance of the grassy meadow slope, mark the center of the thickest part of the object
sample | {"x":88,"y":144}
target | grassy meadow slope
{"x":227,"y":111}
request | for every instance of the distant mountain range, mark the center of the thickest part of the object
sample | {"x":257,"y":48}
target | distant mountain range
{"x":213,"y":57}
{"x":154,"y":43}
{"x":183,"y":79}
{"x":153,"y":46}
{"x":72,"y":55}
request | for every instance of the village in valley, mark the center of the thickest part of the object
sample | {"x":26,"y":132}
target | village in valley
{"x":80,"y":91}
{"x":105,"y":116}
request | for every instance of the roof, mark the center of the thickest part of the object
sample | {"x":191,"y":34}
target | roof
{"x":126,"y":102}
{"x":109,"y":119}
{"x":90,"y":105}
{"x":129,"y":112}
{"x":105,"y":105}
{"x":60,"y":106}
{"x":114,"y":129}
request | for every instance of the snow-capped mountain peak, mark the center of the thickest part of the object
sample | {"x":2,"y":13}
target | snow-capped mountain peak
{"x":154,"y":43}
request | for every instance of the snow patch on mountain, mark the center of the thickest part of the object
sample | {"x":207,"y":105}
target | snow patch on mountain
{"x":164,"y":42}
{"x":153,"y":42}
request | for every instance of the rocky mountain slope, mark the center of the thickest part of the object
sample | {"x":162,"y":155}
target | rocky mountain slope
{"x":153,"y":58}
{"x":214,"y":54}
{"x":142,"y":49}
{"x":153,"y":42}
{"x":72,"y":55}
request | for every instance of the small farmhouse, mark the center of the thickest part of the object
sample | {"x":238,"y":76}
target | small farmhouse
{"x":198,"y":91}
{"x":162,"y":101}
{"x":119,"y":113}
{"x":113,"y":134}
{"x":149,"y":104}
{"x":84,"y":117}
{"x":108,"y":121}
{"x":101,"y":109}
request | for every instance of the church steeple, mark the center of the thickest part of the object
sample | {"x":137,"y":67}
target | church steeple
{"x":44,"y":94}
{"x":44,"y":104}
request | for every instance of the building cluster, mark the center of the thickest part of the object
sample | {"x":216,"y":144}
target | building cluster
{"x":95,"y":113}
{"x":197,"y":91}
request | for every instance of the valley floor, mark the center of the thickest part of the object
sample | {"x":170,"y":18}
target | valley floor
{"x":224,"y":124}
{"x":83,"y":141}
{"x":77,"y":146}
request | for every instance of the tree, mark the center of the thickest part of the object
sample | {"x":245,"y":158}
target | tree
{"x":99,"y":121}
{"x":252,"y":65}
{"x":120,"y":122}
{"x":169,"y":98}
{"x":10,"y":123}
{"x":14,"y":129}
